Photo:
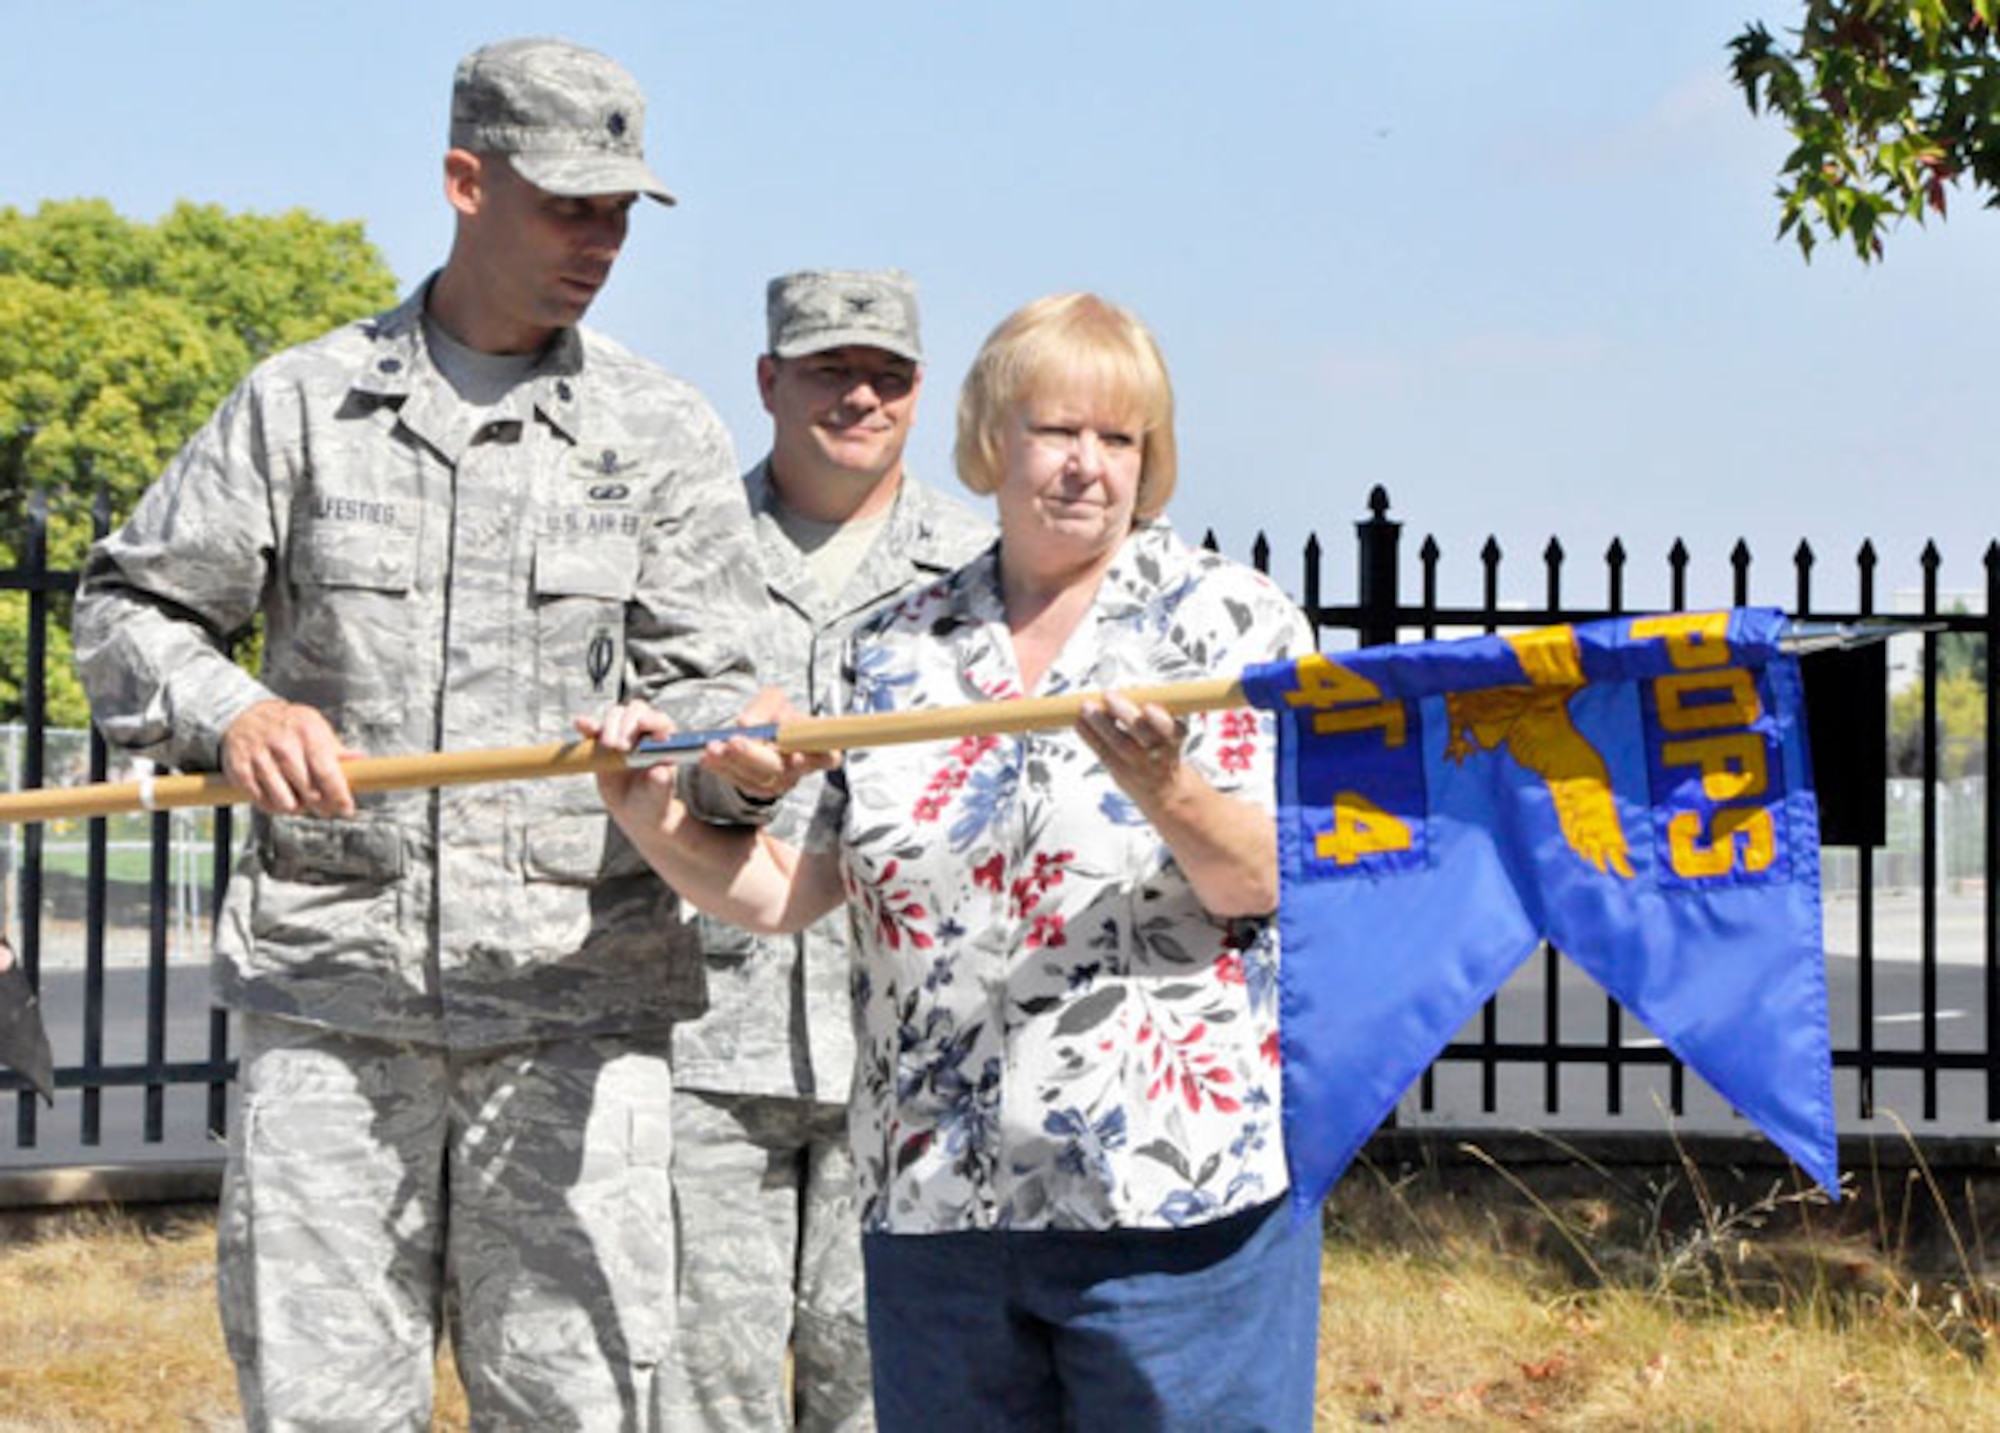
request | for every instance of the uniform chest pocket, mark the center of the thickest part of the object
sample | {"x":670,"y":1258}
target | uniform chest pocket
{"x":355,"y":542}
{"x":605,"y":568}
{"x":581,"y":591}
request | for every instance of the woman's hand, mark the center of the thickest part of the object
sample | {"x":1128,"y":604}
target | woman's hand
{"x":736,"y":873}
{"x":1226,"y":846}
{"x":638,"y":799}
{"x":757,"y":768}
{"x":1140,"y":748}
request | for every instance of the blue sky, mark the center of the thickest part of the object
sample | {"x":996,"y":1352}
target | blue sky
{"x":1513,"y":262}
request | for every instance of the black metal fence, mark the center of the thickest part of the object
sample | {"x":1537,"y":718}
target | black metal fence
{"x":1537,"y":1054}
{"x":36,"y":898}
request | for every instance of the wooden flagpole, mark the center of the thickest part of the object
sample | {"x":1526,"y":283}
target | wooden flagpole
{"x":1204,"y":694}
{"x":581,"y":758}
{"x":578,"y":758}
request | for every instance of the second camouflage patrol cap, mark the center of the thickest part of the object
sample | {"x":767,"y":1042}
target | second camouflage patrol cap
{"x":817,"y":309}
{"x":571,"y":121}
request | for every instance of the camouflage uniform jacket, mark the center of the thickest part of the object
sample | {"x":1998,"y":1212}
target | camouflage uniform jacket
{"x":432,"y":587}
{"x":778,"y":1018}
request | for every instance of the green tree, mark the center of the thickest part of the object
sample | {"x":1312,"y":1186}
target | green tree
{"x":1961,"y":712}
{"x":117,"y":339}
{"x":1892,"y":104}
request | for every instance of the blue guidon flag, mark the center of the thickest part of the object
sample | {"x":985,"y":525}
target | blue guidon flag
{"x":1636,"y":791}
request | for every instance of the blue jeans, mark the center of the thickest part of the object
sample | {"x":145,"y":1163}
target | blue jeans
{"x":1205,"y":1329}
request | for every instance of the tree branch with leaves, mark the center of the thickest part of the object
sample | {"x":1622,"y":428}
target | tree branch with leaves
{"x":1893,"y":103}
{"x":117,"y":338}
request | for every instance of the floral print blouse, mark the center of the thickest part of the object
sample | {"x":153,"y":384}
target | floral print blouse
{"x":1054,"y":1034}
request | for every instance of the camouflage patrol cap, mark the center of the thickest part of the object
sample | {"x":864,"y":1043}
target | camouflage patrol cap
{"x":571,"y":121}
{"x":817,"y":309}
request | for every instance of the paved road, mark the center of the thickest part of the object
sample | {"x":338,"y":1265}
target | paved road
{"x":121,"y":1121}
{"x":1458,"y":1095}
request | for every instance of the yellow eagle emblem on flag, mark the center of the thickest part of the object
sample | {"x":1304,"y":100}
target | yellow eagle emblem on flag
{"x":1533,"y":725}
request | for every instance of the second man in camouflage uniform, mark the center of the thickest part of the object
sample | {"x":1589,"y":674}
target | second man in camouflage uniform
{"x":763,"y":1190}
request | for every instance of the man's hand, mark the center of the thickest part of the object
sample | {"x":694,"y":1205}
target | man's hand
{"x":288,"y":758}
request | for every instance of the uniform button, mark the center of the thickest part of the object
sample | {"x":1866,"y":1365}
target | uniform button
{"x":390,"y":365}
{"x":562,"y":390}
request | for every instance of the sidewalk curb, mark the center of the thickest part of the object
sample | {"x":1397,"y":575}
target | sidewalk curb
{"x":190,"y":1182}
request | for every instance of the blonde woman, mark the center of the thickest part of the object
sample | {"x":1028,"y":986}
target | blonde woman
{"x":1066,"y":1106}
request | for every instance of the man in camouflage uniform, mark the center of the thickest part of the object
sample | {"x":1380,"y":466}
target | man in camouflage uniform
{"x":763,"y":1185}
{"x":462,"y":522}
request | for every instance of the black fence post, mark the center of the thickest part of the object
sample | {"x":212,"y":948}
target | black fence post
{"x":97,"y":887}
{"x":1379,"y":538}
{"x":1990,"y":872}
{"x":1309,"y":586}
{"x":34,"y":750}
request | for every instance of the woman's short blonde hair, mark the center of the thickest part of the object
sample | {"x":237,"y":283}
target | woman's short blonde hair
{"x":1054,"y":344}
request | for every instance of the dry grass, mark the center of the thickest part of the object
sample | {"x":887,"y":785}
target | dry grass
{"x":108,"y":1325}
{"x":104,"y":1326}
{"x":1444,"y":1309}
